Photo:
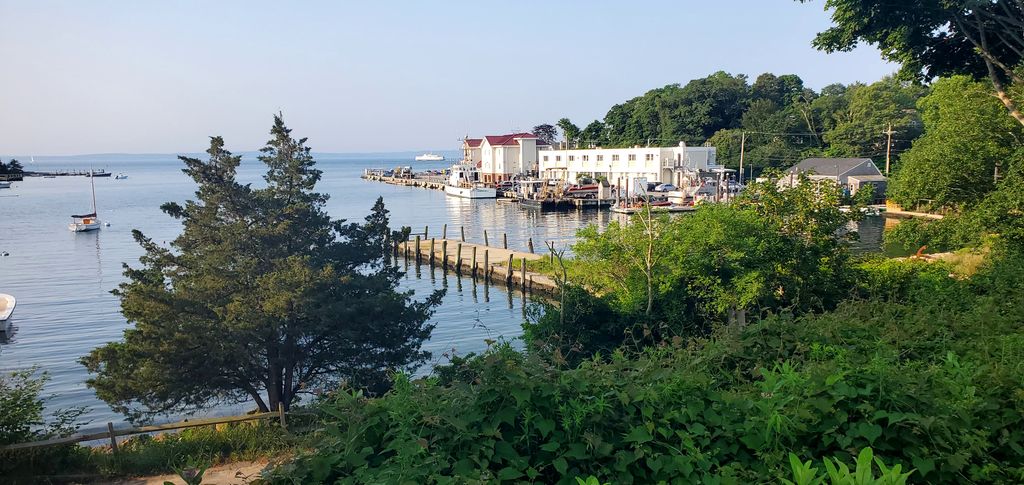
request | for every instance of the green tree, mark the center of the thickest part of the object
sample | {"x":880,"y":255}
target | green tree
{"x":859,"y":129}
{"x":547,"y":133}
{"x":261,"y":298}
{"x":23,"y":417}
{"x":933,"y":38}
{"x":570,"y":132}
{"x":967,"y":136}
{"x":593,"y":134}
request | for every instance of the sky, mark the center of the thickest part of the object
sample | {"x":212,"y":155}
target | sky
{"x":108,"y":76}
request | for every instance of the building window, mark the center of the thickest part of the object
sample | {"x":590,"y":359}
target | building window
{"x":572,"y":157}
{"x":615,"y":158}
{"x":632,"y":157}
{"x":558,"y":158}
{"x":545,"y":158}
{"x":600,"y":158}
{"x":586,"y":158}
{"x":648,"y":157}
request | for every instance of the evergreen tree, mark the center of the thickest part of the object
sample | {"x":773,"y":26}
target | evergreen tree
{"x":261,"y":298}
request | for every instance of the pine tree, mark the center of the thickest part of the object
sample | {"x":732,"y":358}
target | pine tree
{"x":261,"y":298}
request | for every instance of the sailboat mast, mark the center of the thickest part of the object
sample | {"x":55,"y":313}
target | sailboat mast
{"x":92,"y":181}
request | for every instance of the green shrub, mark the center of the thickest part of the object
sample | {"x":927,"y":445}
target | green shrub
{"x":933,"y":383}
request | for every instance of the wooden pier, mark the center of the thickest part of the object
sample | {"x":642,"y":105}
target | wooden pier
{"x":426,"y":182}
{"x":494,"y":265}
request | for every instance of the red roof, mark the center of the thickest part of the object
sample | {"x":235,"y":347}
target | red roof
{"x":474,"y":142}
{"x":510,"y":139}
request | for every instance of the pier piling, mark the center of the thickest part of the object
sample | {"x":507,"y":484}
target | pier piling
{"x":431,"y":251}
{"x":474,"y":262}
{"x":485,"y":238}
{"x":530,"y":243}
{"x":444,"y":254}
{"x":463,"y":229}
{"x":487,"y":267}
{"x":523,"y":274}
{"x":504,"y":240}
{"x":458,"y":258}
{"x":444,"y":231}
{"x":418,"y":253}
{"x":508,"y":273}
{"x":426,"y":232}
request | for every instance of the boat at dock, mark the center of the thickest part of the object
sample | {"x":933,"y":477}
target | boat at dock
{"x":429,"y":157}
{"x":464,"y":181}
{"x":86,"y":222}
{"x":99,"y":173}
{"x":7,"y":304}
{"x":5,"y":185}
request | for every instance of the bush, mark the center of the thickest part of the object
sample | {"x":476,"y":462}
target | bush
{"x":934,"y":384}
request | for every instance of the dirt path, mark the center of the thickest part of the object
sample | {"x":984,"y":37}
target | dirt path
{"x":238,"y":473}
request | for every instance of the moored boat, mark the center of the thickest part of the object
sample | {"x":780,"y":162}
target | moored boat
{"x":7,"y":303}
{"x":86,"y":222}
{"x":464,"y":181}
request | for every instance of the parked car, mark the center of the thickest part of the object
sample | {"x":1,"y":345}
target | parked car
{"x":665,"y":188}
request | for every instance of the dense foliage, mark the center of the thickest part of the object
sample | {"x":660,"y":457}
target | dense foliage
{"x":22,"y":418}
{"x":653,"y":279}
{"x":927,"y":372}
{"x":261,"y":298}
{"x":777,"y":120}
{"x":933,"y":38}
{"x":12,"y":167}
{"x":968,"y":140}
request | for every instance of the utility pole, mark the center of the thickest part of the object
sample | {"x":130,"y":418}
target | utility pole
{"x":888,"y":149}
{"x":743,"y":146}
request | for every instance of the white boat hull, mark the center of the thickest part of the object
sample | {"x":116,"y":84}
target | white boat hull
{"x":82,"y":227}
{"x":471,"y":192}
{"x":5,"y":185}
{"x":7,"y":304}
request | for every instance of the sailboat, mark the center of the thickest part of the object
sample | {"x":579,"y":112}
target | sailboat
{"x":86,"y":222}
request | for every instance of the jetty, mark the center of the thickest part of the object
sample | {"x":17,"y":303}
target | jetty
{"x":494,"y":265}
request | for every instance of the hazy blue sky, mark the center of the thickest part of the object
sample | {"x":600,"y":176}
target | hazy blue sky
{"x":153,"y":77}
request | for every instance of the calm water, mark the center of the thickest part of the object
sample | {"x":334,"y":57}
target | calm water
{"x":63,"y":280}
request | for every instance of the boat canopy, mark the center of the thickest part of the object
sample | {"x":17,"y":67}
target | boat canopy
{"x":83,"y":216}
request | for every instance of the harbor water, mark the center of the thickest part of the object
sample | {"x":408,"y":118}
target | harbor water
{"x":62,"y":280}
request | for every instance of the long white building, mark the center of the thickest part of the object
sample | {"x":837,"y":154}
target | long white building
{"x":675,"y":165}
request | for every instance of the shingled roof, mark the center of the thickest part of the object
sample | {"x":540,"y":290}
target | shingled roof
{"x":829,"y":166}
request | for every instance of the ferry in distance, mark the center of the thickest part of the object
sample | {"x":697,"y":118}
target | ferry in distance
{"x":429,"y":157}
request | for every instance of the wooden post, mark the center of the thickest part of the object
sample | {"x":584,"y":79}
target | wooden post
{"x":431,"y":251}
{"x":280,"y":415}
{"x":463,"y":228}
{"x":426,"y":232}
{"x":444,"y":231}
{"x":504,"y":240}
{"x":487,"y":267}
{"x":485,"y":238}
{"x":113,"y":437}
{"x":523,"y":274}
{"x":508,"y":274}
{"x":458,"y":258}
{"x":419,"y":255}
{"x":530,"y":244}
{"x":474,"y":262}
{"x":444,"y":253}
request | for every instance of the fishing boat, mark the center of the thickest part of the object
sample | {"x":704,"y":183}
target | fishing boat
{"x":86,"y":222}
{"x":429,"y":157}
{"x":464,"y":181}
{"x":7,"y":303}
{"x":99,"y":173}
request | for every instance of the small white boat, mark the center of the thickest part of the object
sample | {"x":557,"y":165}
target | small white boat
{"x":120,"y":176}
{"x":86,"y":222}
{"x":464,"y":181}
{"x":5,"y":185}
{"x":429,"y":157}
{"x":7,"y":303}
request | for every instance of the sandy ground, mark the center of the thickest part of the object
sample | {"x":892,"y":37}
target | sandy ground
{"x":238,"y":473}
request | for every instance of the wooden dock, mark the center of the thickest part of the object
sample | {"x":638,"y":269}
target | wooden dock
{"x":426,"y":182}
{"x":499,"y":266}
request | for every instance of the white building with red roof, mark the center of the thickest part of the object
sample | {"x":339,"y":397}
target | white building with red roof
{"x":502,"y":157}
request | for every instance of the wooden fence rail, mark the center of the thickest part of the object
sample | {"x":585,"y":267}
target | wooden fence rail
{"x":112,"y":433}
